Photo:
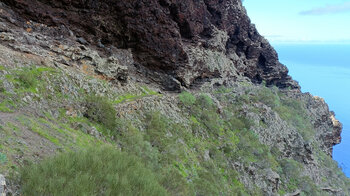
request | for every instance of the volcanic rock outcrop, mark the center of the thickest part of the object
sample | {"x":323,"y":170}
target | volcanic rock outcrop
{"x":172,"y":38}
{"x":138,"y":54}
{"x":175,"y":44}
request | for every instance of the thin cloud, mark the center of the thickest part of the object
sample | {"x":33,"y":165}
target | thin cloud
{"x":329,"y":9}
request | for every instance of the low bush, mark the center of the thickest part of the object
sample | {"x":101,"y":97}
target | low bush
{"x":157,"y":128}
{"x":293,"y":112}
{"x":291,"y":168}
{"x":308,"y":187}
{"x":2,"y":87}
{"x":27,"y":78}
{"x":289,"y":109}
{"x":3,"y":158}
{"x":175,"y":183}
{"x":100,"y":110}
{"x":205,"y":101}
{"x":102,"y":171}
{"x":133,"y":141}
{"x":187,"y":98}
{"x":268,"y":97}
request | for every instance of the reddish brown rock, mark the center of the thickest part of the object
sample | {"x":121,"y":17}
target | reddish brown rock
{"x":157,"y":32}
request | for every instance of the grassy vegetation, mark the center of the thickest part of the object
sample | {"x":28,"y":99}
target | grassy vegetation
{"x":145,"y":91}
{"x":55,"y":135}
{"x":25,"y":81}
{"x":177,"y":152}
{"x":206,"y":152}
{"x":291,"y":110}
{"x":29,"y":79}
{"x":187,"y":98}
{"x":3,"y":158}
{"x":195,"y":159}
{"x":100,"y":110}
{"x":2,"y":87}
{"x":35,"y":127}
{"x":95,"y":171}
{"x":7,"y":106}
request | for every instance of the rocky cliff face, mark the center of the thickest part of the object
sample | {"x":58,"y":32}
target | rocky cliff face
{"x":122,"y":49}
{"x":173,"y":38}
{"x":176,"y":44}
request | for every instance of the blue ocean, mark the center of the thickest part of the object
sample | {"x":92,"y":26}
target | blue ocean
{"x":324,"y":70}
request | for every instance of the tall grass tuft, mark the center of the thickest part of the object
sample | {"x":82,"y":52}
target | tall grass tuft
{"x":101,"y":171}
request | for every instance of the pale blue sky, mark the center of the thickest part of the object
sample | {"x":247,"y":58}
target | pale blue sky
{"x":301,"y":20}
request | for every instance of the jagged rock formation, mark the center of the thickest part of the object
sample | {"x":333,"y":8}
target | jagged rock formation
{"x":173,"y":38}
{"x":172,"y":43}
{"x":120,"y":48}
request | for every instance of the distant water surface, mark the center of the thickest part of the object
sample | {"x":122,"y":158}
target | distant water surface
{"x":324,"y":70}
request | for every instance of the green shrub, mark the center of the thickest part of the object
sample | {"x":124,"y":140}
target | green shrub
{"x":187,"y":98}
{"x":291,"y":169}
{"x":204,"y":113}
{"x":208,"y":184}
{"x":240,"y":190}
{"x":293,"y":112}
{"x":2,"y":87}
{"x":239,"y":123}
{"x":100,"y":110}
{"x":157,"y":127}
{"x":204,"y":101}
{"x":3,"y":158}
{"x":175,"y":183}
{"x":308,"y":186}
{"x":222,"y":90}
{"x":27,"y":78}
{"x":268,"y":97}
{"x":132,"y":141}
{"x":102,"y":171}
{"x":211,"y":120}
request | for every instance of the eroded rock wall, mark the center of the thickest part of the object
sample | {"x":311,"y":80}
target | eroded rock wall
{"x":169,"y":45}
{"x":171,"y":37}
{"x":173,"y":44}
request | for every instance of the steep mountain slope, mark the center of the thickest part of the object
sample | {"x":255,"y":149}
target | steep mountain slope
{"x":174,"y":38}
{"x":80,"y":74}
